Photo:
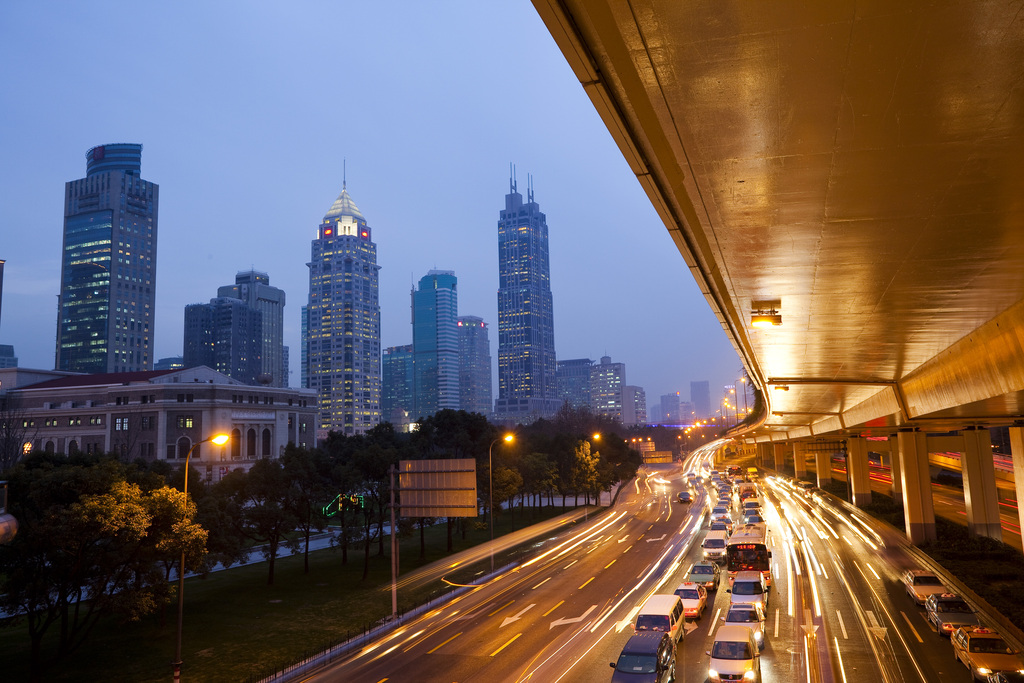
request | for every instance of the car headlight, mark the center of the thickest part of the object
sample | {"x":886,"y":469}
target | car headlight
{"x":759,"y":635}
{"x":983,"y":671}
{"x":713,"y":675}
{"x":947,"y":627}
{"x":749,"y":675}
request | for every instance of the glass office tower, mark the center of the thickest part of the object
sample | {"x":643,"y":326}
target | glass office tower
{"x":343,"y":322}
{"x":527,"y":388}
{"x":435,"y":344}
{"x":107,"y":294}
{"x":253,"y":287}
{"x":474,"y":366}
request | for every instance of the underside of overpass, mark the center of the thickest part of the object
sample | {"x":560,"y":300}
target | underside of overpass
{"x":851,"y":172}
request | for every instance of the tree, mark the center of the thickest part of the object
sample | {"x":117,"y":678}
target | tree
{"x":307,"y":484}
{"x":85,"y":549}
{"x":261,"y":507}
{"x":584,"y":473}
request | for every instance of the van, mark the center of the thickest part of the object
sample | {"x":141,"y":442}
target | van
{"x":714,"y":545}
{"x":661,"y":613}
{"x":734,"y":655}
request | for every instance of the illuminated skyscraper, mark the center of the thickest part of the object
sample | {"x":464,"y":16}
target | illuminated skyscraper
{"x":435,"y":344}
{"x":343,"y":322}
{"x":527,"y":388}
{"x":474,"y":366}
{"x":396,"y":384}
{"x":108,"y":265}
{"x":607,"y":380}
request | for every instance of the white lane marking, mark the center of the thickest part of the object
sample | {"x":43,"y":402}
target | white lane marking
{"x":574,"y":620}
{"x":776,"y":622}
{"x":541,"y":583}
{"x":842,"y":625}
{"x":517,"y":617}
{"x":871,"y":618}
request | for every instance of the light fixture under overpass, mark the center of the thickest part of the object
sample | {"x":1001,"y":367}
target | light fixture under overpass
{"x":765,"y":313}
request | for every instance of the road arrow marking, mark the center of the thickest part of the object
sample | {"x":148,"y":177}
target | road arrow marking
{"x":509,"y":620}
{"x":574,"y":620}
{"x":623,"y":539}
{"x":690,"y":626}
{"x":660,"y":538}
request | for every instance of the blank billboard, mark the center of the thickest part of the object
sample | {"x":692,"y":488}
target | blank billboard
{"x":437,"y":488}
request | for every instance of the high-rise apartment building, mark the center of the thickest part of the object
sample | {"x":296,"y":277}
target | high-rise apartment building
{"x":396,"y":384}
{"x":700,"y":397}
{"x":669,"y":414}
{"x":226,"y":335}
{"x":435,"y":343}
{"x":572,"y":378}
{"x":343,"y":322}
{"x":527,"y":388}
{"x":474,"y":365}
{"x":253,"y":287}
{"x":634,"y":406}
{"x":607,"y":380}
{"x":107,"y":294}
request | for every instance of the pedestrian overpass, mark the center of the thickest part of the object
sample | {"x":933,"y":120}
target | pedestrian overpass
{"x":844,"y":181}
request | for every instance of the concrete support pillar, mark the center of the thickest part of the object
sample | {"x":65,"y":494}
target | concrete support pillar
{"x":980,"y":494}
{"x":857,"y":470}
{"x":916,"y":482}
{"x":764,"y":451}
{"x":1017,"y":455}
{"x":779,"y":453}
{"x":823,"y":467}
{"x":800,"y":459}
{"x":894,"y":469}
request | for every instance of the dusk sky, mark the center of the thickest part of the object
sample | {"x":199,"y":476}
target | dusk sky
{"x":246,"y":112}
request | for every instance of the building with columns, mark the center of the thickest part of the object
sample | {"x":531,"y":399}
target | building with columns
{"x":159,"y":415}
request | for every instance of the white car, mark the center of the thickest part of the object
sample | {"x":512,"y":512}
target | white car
{"x":920,"y":583}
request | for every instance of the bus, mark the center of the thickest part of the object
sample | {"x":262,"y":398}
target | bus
{"x":747,"y":550}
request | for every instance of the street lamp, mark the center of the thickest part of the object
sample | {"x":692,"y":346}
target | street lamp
{"x":220,"y":440}
{"x":490,"y":488}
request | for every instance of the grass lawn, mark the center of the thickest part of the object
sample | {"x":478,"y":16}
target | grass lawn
{"x":237,"y":628}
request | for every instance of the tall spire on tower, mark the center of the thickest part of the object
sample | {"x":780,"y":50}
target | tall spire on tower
{"x":344,"y":173}
{"x":511,"y":178}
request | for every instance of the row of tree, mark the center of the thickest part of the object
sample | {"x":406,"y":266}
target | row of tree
{"x":99,"y":536}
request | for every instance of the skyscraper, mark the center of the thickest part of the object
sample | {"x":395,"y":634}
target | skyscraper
{"x":573,"y":381}
{"x":474,"y":366}
{"x":526,"y":330}
{"x":108,"y":265}
{"x":343,"y":322}
{"x":607,"y":380}
{"x":634,"y":406}
{"x":396,"y":384}
{"x":226,"y":335}
{"x":253,"y":287}
{"x":669,"y":409}
{"x":700,"y":397}
{"x":435,"y":344}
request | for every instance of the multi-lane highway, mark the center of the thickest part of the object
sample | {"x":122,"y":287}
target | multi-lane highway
{"x":837,"y":611}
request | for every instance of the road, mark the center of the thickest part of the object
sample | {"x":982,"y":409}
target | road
{"x":837,"y":611}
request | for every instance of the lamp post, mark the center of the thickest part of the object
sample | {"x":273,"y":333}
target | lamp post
{"x":490,"y":488}
{"x":220,"y":440}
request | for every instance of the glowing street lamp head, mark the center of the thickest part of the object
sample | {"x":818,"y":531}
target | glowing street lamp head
{"x":509,"y":438}
{"x":597,"y":436}
{"x":221,"y":439}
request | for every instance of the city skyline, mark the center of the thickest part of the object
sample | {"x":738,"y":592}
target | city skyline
{"x":246,"y":136}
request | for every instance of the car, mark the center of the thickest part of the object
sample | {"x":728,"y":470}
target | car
{"x":947,"y":612}
{"x":749,"y":586}
{"x":734,"y":655}
{"x":748,"y":614}
{"x":921,"y":583}
{"x":646,"y":658}
{"x":721,"y":509}
{"x":694,"y":597}
{"x":753,"y":518}
{"x":1007,"y":677}
{"x":708,"y":574}
{"x":721,"y":525}
{"x":684,"y":497}
{"x":984,"y":652}
{"x":734,"y":471}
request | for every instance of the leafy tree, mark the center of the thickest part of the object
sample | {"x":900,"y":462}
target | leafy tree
{"x":584,"y":473}
{"x":304,"y":472}
{"x":85,"y":549}
{"x":261,"y":507}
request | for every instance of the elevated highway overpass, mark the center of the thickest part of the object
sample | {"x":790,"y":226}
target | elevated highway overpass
{"x":846,"y":174}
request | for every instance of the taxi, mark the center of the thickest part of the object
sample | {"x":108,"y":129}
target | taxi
{"x":984,"y":652}
{"x":694,"y":597}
